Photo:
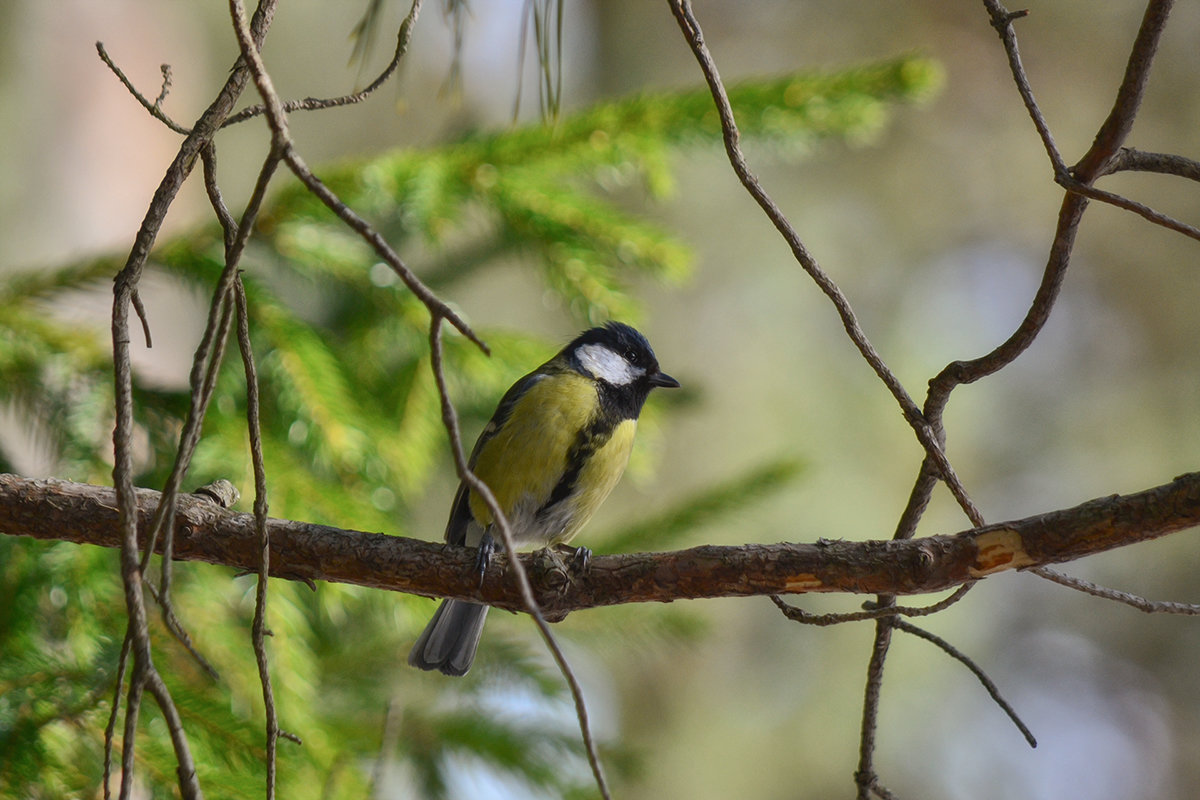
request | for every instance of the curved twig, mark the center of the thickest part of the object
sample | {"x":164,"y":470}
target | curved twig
{"x":988,"y":684}
{"x":925,"y":433}
{"x":1134,"y":160}
{"x":871,"y":610}
{"x":403,"y":38}
{"x":154,"y":108}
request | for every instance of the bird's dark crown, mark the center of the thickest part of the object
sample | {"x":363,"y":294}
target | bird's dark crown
{"x":622,"y":364}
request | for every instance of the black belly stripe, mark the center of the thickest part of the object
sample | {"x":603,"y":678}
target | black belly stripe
{"x":589,"y":440}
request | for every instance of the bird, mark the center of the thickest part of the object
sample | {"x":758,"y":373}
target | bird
{"x":551,"y":453}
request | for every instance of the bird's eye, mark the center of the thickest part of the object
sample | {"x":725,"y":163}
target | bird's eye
{"x":631,"y":356}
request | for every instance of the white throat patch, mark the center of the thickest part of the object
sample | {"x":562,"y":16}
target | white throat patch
{"x":605,"y":365}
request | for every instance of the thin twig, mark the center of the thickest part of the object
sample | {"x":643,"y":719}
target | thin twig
{"x":1104,"y":156}
{"x":384,"y":250}
{"x":1142,"y":210}
{"x":450,"y":421}
{"x":1138,"y":602}
{"x":1116,"y":127}
{"x":959,"y":372}
{"x":864,"y":775}
{"x":205,"y":370}
{"x":140,"y":309}
{"x":927,"y":480}
{"x":185,"y":768}
{"x":175,"y":626}
{"x":115,"y":711}
{"x":928,"y":432}
{"x":133,"y":704}
{"x":124,"y":292}
{"x":925,"y":434}
{"x":1002,"y":20}
{"x":796,"y":614}
{"x":439,"y":311}
{"x":229,"y":226}
{"x":988,"y":684}
{"x":282,"y":141}
{"x":154,"y":108}
{"x":259,"y":627}
{"x":1165,"y":163}
{"x":1100,"y":157}
{"x":403,"y":38}
{"x":165,"y":69}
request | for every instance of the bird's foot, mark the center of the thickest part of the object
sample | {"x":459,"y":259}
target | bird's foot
{"x":578,"y":558}
{"x":487,"y":546}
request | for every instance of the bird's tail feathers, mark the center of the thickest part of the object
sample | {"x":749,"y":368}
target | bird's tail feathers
{"x":449,"y":641}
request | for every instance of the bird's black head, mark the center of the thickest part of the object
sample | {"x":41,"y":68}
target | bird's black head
{"x":621,"y":361}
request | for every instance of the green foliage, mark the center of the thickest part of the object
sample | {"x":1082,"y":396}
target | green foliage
{"x":713,"y":503}
{"x":353,"y":437}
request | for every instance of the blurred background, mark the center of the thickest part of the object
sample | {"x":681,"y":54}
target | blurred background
{"x":937,"y":230}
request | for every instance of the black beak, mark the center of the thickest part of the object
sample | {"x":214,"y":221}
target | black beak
{"x":664,"y":380}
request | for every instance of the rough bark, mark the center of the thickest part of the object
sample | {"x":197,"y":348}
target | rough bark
{"x":59,"y":510}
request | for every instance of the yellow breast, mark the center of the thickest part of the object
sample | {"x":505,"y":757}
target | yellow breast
{"x":601,"y":474}
{"x":525,"y":461}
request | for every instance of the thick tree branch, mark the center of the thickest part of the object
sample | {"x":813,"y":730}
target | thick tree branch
{"x":303,"y":551}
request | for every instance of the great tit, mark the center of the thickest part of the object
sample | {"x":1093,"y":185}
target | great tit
{"x":551,"y":453}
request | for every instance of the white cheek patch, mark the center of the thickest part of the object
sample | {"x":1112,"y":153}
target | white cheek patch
{"x":608,"y":366}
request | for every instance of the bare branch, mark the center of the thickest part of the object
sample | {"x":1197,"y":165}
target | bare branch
{"x":229,"y":226}
{"x":1164,"y":163}
{"x":259,"y":626}
{"x":154,"y":108}
{"x":205,"y":369}
{"x":403,"y":38}
{"x":140,"y":309}
{"x":1142,"y":210}
{"x":277,"y":119}
{"x":206,"y":532}
{"x":1002,"y":20}
{"x":864,"y":775}
{"x":175,"y":626}
{"x":114,"y":712}
{"x":1140,"y":603}
{"x":185,"y":770}
{"x":1107,"y":145}
{"x":1115,"y":129}
{"x":988,"y":684}
{"x":925,"y":433}
{"x":879,"y":790}
{"x":872,"y":610}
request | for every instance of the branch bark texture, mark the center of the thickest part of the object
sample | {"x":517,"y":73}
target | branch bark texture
{"x":58,"y":510}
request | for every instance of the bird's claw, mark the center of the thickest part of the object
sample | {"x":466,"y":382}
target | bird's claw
{"x":578,"y":558}
{"x":487,"y":546}
{"x":581,"y":559}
